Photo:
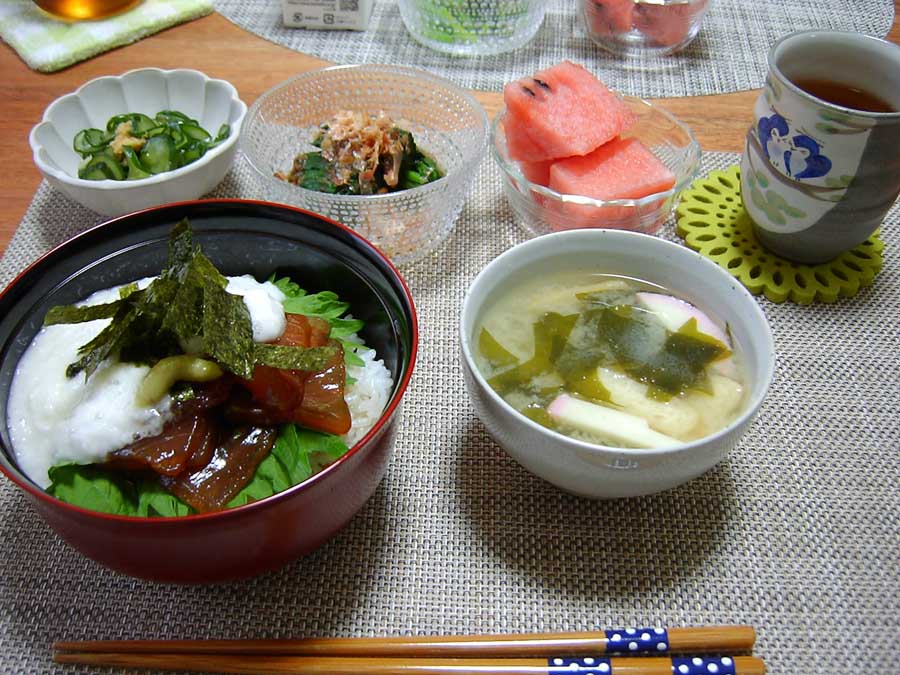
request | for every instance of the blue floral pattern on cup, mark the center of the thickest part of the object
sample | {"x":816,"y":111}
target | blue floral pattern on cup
{"x":794,"y":154}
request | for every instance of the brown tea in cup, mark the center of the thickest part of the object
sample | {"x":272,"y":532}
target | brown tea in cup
{"x":845,"y":96}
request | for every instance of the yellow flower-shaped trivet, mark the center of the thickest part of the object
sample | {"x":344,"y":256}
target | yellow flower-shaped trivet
{"x":713,"y":222}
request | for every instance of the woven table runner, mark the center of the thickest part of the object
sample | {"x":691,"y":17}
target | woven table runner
{"x":796,"y":533}
{"x":728,"y":55}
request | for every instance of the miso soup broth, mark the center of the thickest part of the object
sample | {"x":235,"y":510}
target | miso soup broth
{"x":610,"y":360}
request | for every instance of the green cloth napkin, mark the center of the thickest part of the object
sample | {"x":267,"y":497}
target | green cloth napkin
{"x":49,"y":44}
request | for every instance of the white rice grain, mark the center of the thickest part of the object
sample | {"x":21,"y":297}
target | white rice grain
{"x":368,"y":396}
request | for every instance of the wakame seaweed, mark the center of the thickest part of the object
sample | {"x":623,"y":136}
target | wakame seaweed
{"x":186,"y":304}
{"x":607,"y":333}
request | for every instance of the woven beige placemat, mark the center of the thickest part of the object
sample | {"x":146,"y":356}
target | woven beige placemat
{"x":728,"y":55}
{"x":797,"y":533}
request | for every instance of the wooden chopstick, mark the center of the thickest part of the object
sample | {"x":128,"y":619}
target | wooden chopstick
{"x":699,"y":639}
{"x":242,"y":664}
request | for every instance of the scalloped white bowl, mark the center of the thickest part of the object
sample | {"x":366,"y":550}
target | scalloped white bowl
{"x":148,"y":90}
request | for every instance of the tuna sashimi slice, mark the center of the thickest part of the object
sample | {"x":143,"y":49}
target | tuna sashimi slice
{"x":563,"y":111}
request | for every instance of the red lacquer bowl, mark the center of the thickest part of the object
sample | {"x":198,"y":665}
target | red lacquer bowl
{"x":241,"y":237}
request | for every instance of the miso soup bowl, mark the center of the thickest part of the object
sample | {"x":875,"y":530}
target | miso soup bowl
{"x":598,"y":471}
{"x":240,"y":237}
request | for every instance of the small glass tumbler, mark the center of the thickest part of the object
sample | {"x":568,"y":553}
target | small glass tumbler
{"x":472,"y":27}
{"x":643,"y":27}
{"x":84,"y":10}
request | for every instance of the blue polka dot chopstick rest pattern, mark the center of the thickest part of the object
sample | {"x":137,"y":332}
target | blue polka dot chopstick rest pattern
{"x":695,"y":665}
{"x":637,"y":641}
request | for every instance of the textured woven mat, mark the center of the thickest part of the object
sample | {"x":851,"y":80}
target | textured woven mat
{"x":796,"y":533}
{"x":728,"y":55}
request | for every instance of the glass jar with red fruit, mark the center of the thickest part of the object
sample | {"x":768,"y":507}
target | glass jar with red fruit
{"x":643,"y":27}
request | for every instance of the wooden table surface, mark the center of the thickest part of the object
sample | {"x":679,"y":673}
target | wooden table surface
{"x":220,"y":49}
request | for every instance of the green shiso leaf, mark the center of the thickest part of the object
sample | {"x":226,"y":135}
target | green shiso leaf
{"x":351,"y":358}
{"x":286,"y":286}
{"x":155,"y":501}
{"x":297,"y":455}
{"x":344,"y":328}
{"x":92,"y":488}
{"x":99,"y":489}
{"x":325,"y":304}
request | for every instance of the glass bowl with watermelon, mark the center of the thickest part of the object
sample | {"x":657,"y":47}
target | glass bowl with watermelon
{"x":636,"y":28}
{"x":575,"y":154}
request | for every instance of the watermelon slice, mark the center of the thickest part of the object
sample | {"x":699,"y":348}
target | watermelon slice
{"x":537,"y":172}
{"x":608,"y":17}
{"x":624,"y":168}
{"x":669,"y":25}
{"x":620,"y":169}
{"x":518,"y":143}
{"x":559,"y":112}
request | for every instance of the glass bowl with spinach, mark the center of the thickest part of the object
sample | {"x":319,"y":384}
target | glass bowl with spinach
{"x":361,"y":154}
{"x":134,"y":145}
{"x":404,"y":195}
